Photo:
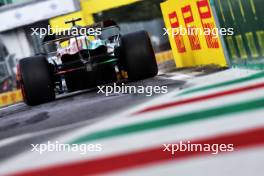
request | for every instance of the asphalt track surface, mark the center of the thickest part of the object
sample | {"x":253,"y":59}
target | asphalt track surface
{"x":69,"y":111}
{"x":39,"y":123}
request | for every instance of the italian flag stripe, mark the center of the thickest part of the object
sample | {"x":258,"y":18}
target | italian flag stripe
{"x":173,"y":120}
{"x":241,"y":140}
{"x":201,"y":98}
{"x":223,"y":84}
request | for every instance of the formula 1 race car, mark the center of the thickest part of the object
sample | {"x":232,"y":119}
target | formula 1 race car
{"x":76,"y":60}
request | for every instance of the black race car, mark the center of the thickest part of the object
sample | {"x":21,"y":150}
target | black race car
{"x":75,"y":60}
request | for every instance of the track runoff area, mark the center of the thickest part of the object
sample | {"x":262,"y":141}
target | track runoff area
{"x":206,"y":129}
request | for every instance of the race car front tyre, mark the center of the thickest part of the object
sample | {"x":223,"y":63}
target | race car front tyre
{"x":36,"y":80}
{"x":138,"y":56}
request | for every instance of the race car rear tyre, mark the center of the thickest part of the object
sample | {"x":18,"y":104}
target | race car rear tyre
{"x":138,"y":56}
{"x":36,"y":80}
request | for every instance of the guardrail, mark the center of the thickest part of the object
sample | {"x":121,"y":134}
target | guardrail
{"x":10,"y":98}
{"x":164,"y":56}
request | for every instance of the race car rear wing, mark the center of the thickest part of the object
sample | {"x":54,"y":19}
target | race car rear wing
{"x":66,"y":35}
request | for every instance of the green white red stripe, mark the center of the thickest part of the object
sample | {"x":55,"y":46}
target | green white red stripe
{"x":226,"y":112}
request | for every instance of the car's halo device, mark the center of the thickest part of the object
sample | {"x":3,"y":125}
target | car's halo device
{"x":76,"y":60}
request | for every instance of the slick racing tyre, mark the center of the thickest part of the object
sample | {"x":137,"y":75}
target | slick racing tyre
{"x":138,"y":56}
{"x":35,"y":78}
